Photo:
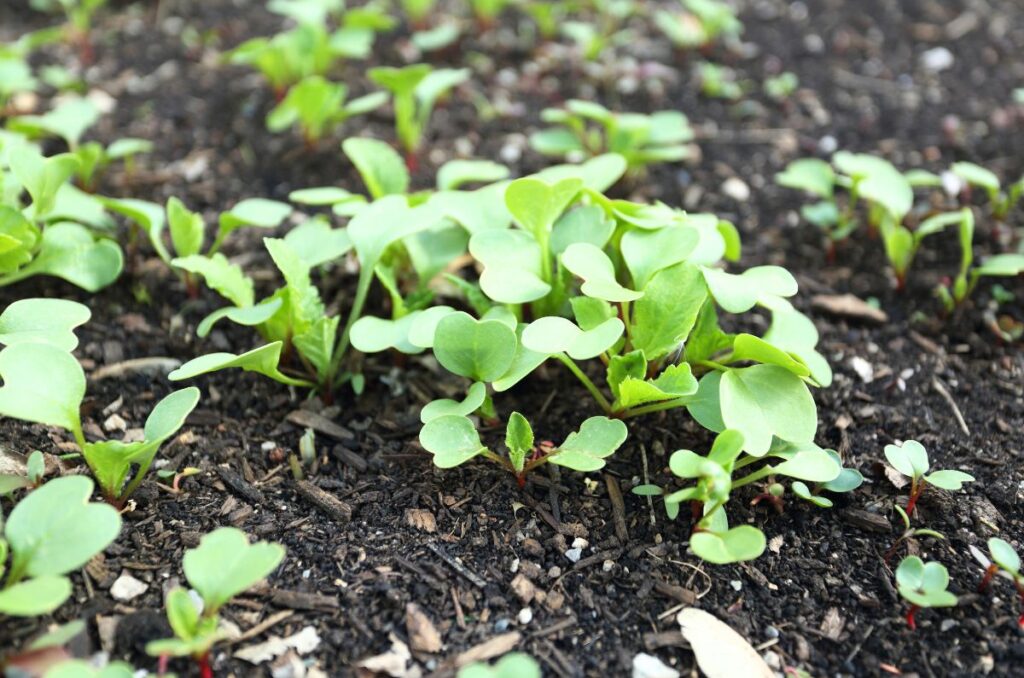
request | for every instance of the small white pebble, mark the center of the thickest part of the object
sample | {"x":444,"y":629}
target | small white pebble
{"x":127,"y":587}
{"x":525,"y":616}
{"x":736,"y":188}
{"x":736,"y":584}
{"x":268,"y":446}
{"x":580,"y":543}
{"x":574,"y":555}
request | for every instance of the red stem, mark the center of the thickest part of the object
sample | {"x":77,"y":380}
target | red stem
{"x":910,"y":617}
{"x":915,"y":494}
{"x":205,"y":670}
{"x":412,"y":163}
{"x":987,"y":579}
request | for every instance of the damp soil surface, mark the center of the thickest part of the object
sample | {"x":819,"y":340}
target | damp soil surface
{"x":477,"y":556}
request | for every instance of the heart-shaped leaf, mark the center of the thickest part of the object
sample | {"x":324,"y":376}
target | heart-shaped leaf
{"x":536,"y":205}
{"x":740,"y":293}
{"x":41,"y":177}
{"x":475,"y":397}
{"x":372,"y":335}
{"x":35,"y":597}
{"x":454,"y":173}
{"x":317,"y":243}
{"x":813,"y":465}
{"x":586,"y":449}
{"x":47,"y":321}
{"x":924,"y":584}
{"x":56,"y":529}
{"x":738,"y":544}
{"x":552,"y":335}
{"x":802,"y":491}
{"x":387,"y":221}
{"x":597,"y":174}
{"x":587,"y":223}
{"x":647,"y":252}
{"x":910,"y":458}
{"x":809,"y":174}
{"x":71,"y":252}
{"x":598,"y":272}
{"x":765,"y":401}
{"x":1004,"y":555}
{"x":513,"y":266}
{"x":482,"y":350}
{"x":226,"y":564}
{"x":949,"y":480}
{"x":258,"y":212}
{"x":41,"y":384}
{"x":424,"y":325}
{"x":452,"y":439}
{"x":796,"y":334}
{"x":263,"y":360}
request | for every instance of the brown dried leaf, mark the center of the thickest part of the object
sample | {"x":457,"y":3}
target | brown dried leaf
{"x":720,"y":651}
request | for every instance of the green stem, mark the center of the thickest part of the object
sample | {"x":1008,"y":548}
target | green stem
{"x":363,"y":289}
{"x":762,"y":472}
{"x":585,"y":380}
{"x":656,"y":407}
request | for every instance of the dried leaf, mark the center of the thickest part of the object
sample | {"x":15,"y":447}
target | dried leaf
{"x":720,"y":651}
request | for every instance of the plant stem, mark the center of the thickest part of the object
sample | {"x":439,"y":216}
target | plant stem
{"x":910,"y":617}
{"x":990,"y":572}
{"x":585,"y":380}
{"x":362,"y":290}
{"x":762,"y":472}
{"x":656,"y":407}
{"x":916,"y":489}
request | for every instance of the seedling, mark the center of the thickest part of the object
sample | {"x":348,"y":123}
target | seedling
{"x":704,"y":22}
{"x":54,"y":234}
{"x":43,"y":383}
{"x":586,"y":129}
{"x":1001,"y":201}
{"x":454,"y":440}
{"x":35,"y":469}
{"x":718,"y":82}
{"x":416,"y":90}
{"x":923,"y":585}
{"x":418,"y":11}
{"x":712,"y":538}
{"x":224,"y":565}
{"x":512,"y":665}
{"x":781,"y":87}
{"x":79,"y":15}
{"x":908,"y":533}
{"x":487,"y":11}
{"x":911,"y":459}
{"x":51,"y":532}
{"x":953,"y":294}
{"x":1005,"y":563}
{"x":317,"y":106}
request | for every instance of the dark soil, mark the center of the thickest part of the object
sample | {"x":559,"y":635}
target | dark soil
{"x":821,"y":599}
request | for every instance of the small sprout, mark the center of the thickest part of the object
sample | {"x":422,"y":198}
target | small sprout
{"x":719,"y":82}
{"x":307,"y":447}
{"x":911,"y":459}
{"x":923,"y":585}
{"x":1006,"y":563}
{"x":908,"y":533}
{"x":781,"y":87}
{"x":51,"y":532}
{"x":224,"y":565}
{"x":1001,"y":201}
{"x":705,"y":22}
{"x":317,"y":106}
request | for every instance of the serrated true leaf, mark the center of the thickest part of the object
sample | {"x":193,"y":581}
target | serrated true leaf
{"x":221,"y":275}
{"x":666,"y":315}
{"x":263,"y":360}
{"x":382,"y":169}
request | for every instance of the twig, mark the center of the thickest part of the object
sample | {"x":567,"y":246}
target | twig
{"x":262,"y":626}
{"x":473,"y":577}
{"x":618,"y":506}
{"x":942,"y":391}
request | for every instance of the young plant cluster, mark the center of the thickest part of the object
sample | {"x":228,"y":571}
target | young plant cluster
{"x":859,"y":189}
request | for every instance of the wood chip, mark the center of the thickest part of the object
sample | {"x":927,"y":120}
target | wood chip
{"x":618,"y":507}
{"x":299,"y":600}
{"x":473,"y":577}
{"x":326,"y":502}
{"x":489,"y":649}
{"x":872,"y":522}
{"x":832,"y":624}
{"x":149,"y":366}
{"x":421,"y":519}
{"x":237,"y":484}
{"x":423,"y":635}
{"x":683,"y":595}
{"x":320,"y":424}
{"x":720,"y":651}
{"x":848,"y":306}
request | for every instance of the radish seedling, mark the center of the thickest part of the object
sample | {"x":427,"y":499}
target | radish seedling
{"x":911,"y":459}
{"x":224,"y":565}
{"x":1005,"y":563}
{"x":712,"y":538}
{"x":79,"y":15}
{"x":52,"y":531}
{"x":454,"y":440}
{"x":1001,"y":201}
{"x":704,"y":22}
{"x":586,"y":129}
{"x":317,"y":106}
{"x":923,"y":585}
{"x":416,"y":89}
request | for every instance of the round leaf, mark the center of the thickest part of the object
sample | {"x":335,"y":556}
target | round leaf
{"x":41,"y":384}
{"x":452,"y":439}
{"x":226,"y":564}
{"x":741,"y":543}
{"x":480,"y":350}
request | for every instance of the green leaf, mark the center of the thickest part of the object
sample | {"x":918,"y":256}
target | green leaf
{"x":18,"y":238}
{"x":758,"y":285}
{"x":56,"y":529}
{"x":226,"y":564}
{"x":736,"y":545}
{"x":182,"y":613}
{"x":809,"y":174}
{"x":764,"y":401}
{"x":801,"y":490}
{"x":1002,"y":265}
{"x":910,"y":458}
{"x":1004,"y":555}
{"x":705,"y":406}
{"x":384,"y":222}
{"x":249,"y":316}
{"x":79,"y":668}
{"x":597,"y":174}
{"x":42,"y":384}
{"x":748,"y":347}
{"x":976,"y":175}
{"x":924,"y":584}
{"x":552,"y":335}
{"x":148,"y":215}
{"x":452,"y":439}
{"x":556,"y":141}
{"x":35,"y":597}
{"x":664,"y":318}
{"x":593,"y":265}
{"x":475,"y":397}
{"x":71,"y":252}
{"x":587,"y":223}
{"x":648,"y":252}
{"x":69,"y":121}
{"x":263,"y":360}
{"x":323,"y":196}
{"x":47,"y":321}
{"x":454,"y":173}
{"x":675,"y":382}
{"x":221,"y":276}
{"x":187,"y":228}
{"x":518,"y":440}
{"x":513,"y":266}
{"x":373,"y":335}
{"x":813,"y":465}
{"x":949,"y":480}
{"x":481,"y":350}
{"x":536,"y":205}
{"x":589,"y":312}
{"x":424,"y":325}
{"x":41,"y":177}
{"x":258,"y":212}
{"x":796,"y":334}
{"x":382,"y":169}
{"x":586,"y":449}
{"x":317,"y":344}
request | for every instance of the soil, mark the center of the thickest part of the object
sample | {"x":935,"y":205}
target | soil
{"x":820,"y":599}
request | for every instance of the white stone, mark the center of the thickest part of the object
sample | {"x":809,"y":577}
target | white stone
{"x":525,"y":616}
{"x":127,"y":587}
{"x":736,"y":188}
{"x":649,"y":666}
{"x":937,"y":59}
